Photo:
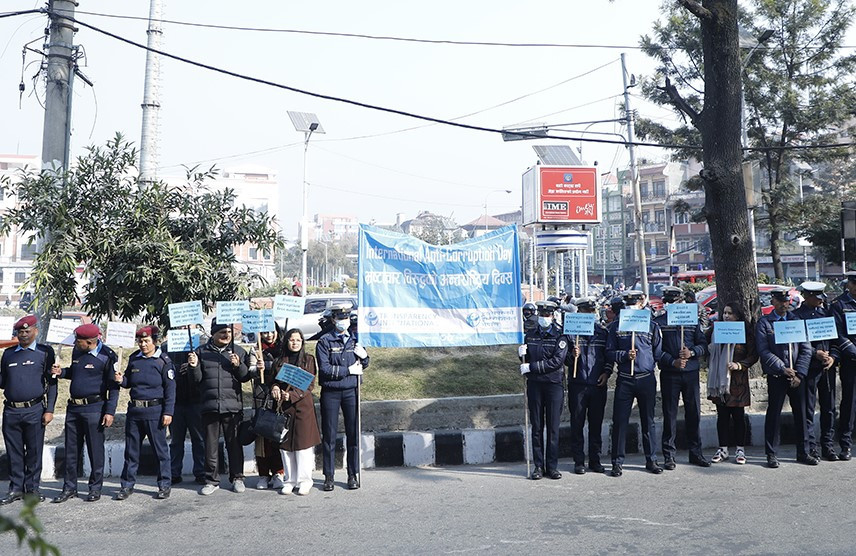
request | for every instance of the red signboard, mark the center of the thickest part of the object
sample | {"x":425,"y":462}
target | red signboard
{"x":568,"y":194}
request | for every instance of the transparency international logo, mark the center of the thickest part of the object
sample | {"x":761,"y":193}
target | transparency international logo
{"x":473,"y":319}
{"x":569,"y":178}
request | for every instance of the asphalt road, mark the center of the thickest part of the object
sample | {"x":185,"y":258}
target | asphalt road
{"x":727,"y":509}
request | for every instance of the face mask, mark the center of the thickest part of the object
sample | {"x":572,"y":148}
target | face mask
{"x":545,"y":322}
{"x":342,"y":325}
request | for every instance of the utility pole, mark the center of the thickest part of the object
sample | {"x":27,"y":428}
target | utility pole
{"x":149,"y":136}
{"x":634,"y":177}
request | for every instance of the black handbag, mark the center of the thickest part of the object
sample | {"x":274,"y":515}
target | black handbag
{"x":271,"y":423}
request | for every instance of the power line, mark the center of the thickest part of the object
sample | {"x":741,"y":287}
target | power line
{"x":4,"y":15}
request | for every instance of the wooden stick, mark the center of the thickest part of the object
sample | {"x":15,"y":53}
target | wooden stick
{"x":682,"y":336}
{"x":576,"y":357}
{"x":632,"y":346}
{"x":259,"y":340}
{"x":791,"y":356}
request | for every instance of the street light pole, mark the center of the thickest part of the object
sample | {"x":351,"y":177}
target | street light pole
{"x":634,"y":176}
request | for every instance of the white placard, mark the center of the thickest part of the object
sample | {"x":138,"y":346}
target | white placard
{"x":61,"y":332}
{"x":121,"y":334}
{"x":288,"y":307}
{"x":231,"y":312}
{"x":6,"y":324}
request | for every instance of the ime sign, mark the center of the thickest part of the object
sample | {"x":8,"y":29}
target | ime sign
{"x":561,"y":195}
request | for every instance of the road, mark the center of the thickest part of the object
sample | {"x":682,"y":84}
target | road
{"x":727,"y":509}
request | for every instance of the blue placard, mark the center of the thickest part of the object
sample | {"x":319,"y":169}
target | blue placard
{"x":729,"y":332}
{"x":634,"y":320}
{"x":288,"y":307}
{"x":185,"y":313}
{"x":179,"y":340}
{"x":258,"y":321}
{"x":295,"y":376}
{"x":682,"y":314}
{"x":789,"y":331}
{"x":850,"y":317}
{"x":821,"y":329}
{"x":231,"y":312}
{"x":579,"y":324}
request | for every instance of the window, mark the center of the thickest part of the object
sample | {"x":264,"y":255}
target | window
{"x":614,"y":203}
{"x":254,"y":253}
{"x":314,"y":306}
{"x":28,"y":251}
{"x":682,"y":245}
{"x":598,"y":232}
{"x":662,"y":248}
{"x":598,"y":256}
{"x":615,"y":230}
{"x":682,"y":218}
{"x":20,"y":277}
{"x":660,"y":188}
{"x":643,"y":190}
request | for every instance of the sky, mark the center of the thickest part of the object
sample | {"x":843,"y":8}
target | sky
{"x":368,"y":163}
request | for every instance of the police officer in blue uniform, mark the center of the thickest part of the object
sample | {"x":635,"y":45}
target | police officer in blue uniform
{"x":543,"y":357}
{"x":638,"y":382}
{"x":151,"y":378}
{"x":30,"y":394}
{"x":587,"y":390}
{"x":94,"y":395}
{"x":786,"y":367}
{"x":820,"y":382}
{"x":844,"y":304}
{"x":679,"y":377}
{"x":341,"y":361}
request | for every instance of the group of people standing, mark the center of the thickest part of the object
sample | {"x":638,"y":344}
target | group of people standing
{"x":197,"y":393}
{"x":803,"y":372}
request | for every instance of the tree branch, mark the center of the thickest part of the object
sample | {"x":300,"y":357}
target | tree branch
{"x":681,"y":103}
{"x":696,"y":8}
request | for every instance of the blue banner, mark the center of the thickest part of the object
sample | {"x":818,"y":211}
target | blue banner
{"x":413,"y":294}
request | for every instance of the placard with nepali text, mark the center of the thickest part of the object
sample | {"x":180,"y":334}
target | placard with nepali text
{"x":121,"y":334}
{"x":295,"y":376}
{"x":634,"y":320}
{"x":288,"y":307}
{"x":579,"y":324}
{"x":185,"y":313}
{"x":821,"y":329}
{"x":682,"y":314}
{"x":231,"y":312}
{"x":789,"y":331}
{"x":61,"y":332}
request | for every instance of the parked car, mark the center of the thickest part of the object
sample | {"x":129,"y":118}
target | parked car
{"x":707,"y":299}
{"x":314,"y":308}
{"x":79,"y":317}
{"x":26,"y":301}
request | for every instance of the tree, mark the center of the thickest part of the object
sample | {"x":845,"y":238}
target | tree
{"x":142,"y":248}
{"x":799,"y":89}
{"x":28,"y":528}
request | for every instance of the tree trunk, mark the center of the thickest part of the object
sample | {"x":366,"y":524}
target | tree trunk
{"x":725,"y":201}
{"x":775,"y":237}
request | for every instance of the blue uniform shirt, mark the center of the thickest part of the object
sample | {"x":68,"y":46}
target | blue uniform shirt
{"x":805,"y":312}
{"x":775,"y":358}
{"x":648,"y":349}
{"x":151,"y":378}
{"x":334,"y":353}
{"x":844,"y":303}
{"x":694,"y":340}
{"x":91,"y":374}
{"x":546,"y":350}
{"x":25,"y":374}
{"x":592,"y":361}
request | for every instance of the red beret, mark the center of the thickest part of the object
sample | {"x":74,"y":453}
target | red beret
{"x":24,"y":323}
{"x":87,"y":332}
{"x":151,"y":331}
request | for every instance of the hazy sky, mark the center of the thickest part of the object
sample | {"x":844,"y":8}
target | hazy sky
{"x":368,"y":163}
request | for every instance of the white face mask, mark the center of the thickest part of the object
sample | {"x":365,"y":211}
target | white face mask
{"x":342,"y":325}
{"x":545,"y":322}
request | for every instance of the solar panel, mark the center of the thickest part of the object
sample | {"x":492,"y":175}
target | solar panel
{"x":303,"y":120}
{"x":557,"y":155}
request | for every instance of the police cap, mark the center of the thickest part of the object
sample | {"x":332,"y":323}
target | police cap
{"x":617,"y":303}
{"x":528,"y":309}
{"x":546,"y":308}
{"x":672,"y":294}
{"x":811,"y":287}
{"x":585,"y":303}
{"x":633,"y":296}
{"x":780,"y":294}
{"x":87,"y":332}
{"x":26,"y":322}
{"x":150,"y":331}
{"x":851,"y":276}
{"x":341,"y":311}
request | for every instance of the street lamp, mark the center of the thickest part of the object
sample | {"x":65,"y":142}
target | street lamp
{"x":485,"y":203}
{"x":308,"y":123}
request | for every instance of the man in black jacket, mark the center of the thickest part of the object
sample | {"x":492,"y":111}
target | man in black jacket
{"x":219,"y":372}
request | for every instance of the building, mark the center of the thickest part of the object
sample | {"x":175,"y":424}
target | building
{"x":334,"y":226}
{"x":609,"y":238}
{"x":16,"y":252}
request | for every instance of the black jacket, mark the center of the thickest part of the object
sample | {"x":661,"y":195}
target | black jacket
{"x":219,"y":381}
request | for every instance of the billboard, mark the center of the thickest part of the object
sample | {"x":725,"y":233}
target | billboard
{"x":561,"y":195}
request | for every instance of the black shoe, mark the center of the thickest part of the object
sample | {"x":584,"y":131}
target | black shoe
{"x":35,"y":493}
{"x":328,"y":484}
{"x":669,"y":464}
{"x":844,"y":455}
{"x":555,"y":475}
{"x":616,"y":470}
{"x":11,"y":497}
{"x":814,"y":454}
{"x":580,"y":469}
{"x":596,"y":467}
{"x":700,"y":460}
{"x":808,"y":460}
{"x":92,"y":497}
{"x":163,"y":493}
{"x":64,"y":495}
{"x":652,"y":466}
{"x":772,"y":462}
{"x":537,"y":474}
{"x":124,"y":493}
{"x":830,"y":455}
{"x":177,"y":480}
{"x":200,"y":481}
{"x":353,"y":482}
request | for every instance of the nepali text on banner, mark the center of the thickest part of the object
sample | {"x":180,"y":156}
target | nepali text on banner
{"x":413,"y":294}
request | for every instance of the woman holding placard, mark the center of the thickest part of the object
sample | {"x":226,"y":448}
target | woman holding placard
{"x":728,"y":385}
{"x":298,"y":454}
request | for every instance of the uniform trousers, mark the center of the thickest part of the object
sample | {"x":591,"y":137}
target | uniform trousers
{"x":298,"y":467}
{"x":644,"y":390}
{"x":847,"y":414}
{"x":213,"y":424}
{"x":84,"y":427}
{"x":187,"y":421}
{"x":545,"y":410}
{"x":820,"y":391}
{"x":673,"y":386}
{"x":586,"y":401}
{"x":24,"y":435}
{"x":137,"y":428}
{"x":331,"y":402}
{"x":778,"y":388}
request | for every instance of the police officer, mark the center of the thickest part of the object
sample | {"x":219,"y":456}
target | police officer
{"x":150,"y":376}
{"x":844,"y":304}
{"x":30,"y":394}
{"x":679,"y":377}
{"x":186,"y":419}
{"x":820,"y":382}
{"x":341,"y":361}
{"x":543,"y":357}
{"x":640,"y":385}
{"x":530,"y":317}
{"x":786,"y":367}
{"x":93,"y":397}
{"x":587,"y":390}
